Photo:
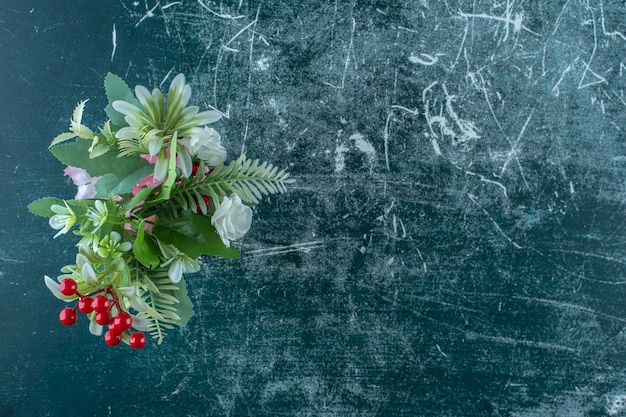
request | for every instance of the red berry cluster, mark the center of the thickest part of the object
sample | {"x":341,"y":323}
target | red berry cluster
{"x":108,"y":312}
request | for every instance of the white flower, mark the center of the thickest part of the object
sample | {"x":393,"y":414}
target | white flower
{"x":178,"y":262}
{"x":98,"y":215}
{"x":63,"y":220}
{"x":110,"y":246}
{"x":232,"y":219}
{"x":205,"y":143}
{"x":133,"y":298}
{"x":86,"y":269}
{"x":152,"y":127}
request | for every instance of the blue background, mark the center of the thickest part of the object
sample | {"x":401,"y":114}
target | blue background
{"x":454,"y":245}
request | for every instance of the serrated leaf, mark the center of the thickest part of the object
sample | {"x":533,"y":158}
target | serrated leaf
{"x":62,"y":138}
{"x":117,"y":89}
{"x":76,"y":154}
{"x":42,"y":206}
{"x":194,"y":235}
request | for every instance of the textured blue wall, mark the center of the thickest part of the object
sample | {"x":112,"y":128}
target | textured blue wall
{"x":454,"y":245}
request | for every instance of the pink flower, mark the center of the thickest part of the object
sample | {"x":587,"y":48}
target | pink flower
{"x":83,"y":181}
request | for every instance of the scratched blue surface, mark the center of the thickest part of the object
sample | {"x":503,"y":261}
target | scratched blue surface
{"x":454,"y":245}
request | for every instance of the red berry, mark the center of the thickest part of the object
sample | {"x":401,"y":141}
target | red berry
{"x":112,"y":338}
{"x":101,"y":304}
{"x":68,"y":316}
{"x":68,"y":286}
{"x":137,"y":340}
{"x":84,"y":305}
{"x":103,"y":318}
{"x":194,"y":168}
{"x":122,"y":322}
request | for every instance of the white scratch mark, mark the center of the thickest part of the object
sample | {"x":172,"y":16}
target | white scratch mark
{"x":114,"y":41}
{"x":347,"y":62}
{"x":220,"y":15}
{"x":305,"y":247}
{"x":555,"y":89}
{"x":424,"y":59}
{"x":413,"y":112}
{"x":556,"y":27}
{"x":515,"y":21}
{"x":522,"y":342}
{"x":149,"y":13}
{"x":168,"y":5}
{"x":386,"y":139}
{"x":441,"y":351}
{"x":599,"y":78}
{"x":515,"y":149}
{"x":613,"y":34}
{"x":239,"y":33}
{"x":165,"y":78}
{"x":498,"y":228}
{"x":419,"y":253}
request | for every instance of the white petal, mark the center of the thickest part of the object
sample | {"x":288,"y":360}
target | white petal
{"x":126,"y":108}
{"x":116,"y":237}
{"x":94,"y":328}
{"x":138,"y":304}
{"x":186,"y":164}
{"x":178,"y":82}
{"x":126,"y":133}
{"x":143,"y":95}
{"x":175,"y":272}
{"x":155,"y":145}
{"x":53,"y":286}
{"x":57,"y":221}
{"x":141,"y":324}
{"x":160,"y":168}
{"x":81,"y":260}
{"x":89,"y":275}
{"x":127,"y":291}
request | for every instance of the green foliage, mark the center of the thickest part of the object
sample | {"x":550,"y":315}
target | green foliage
{"x":145,"y":249}
{"x":42,"y":206}
{"x":249,"y":179}
{"x":116,"y":89}
{"x":76,"y":154}
{"x":192,"y":234}
{"x":119,"y":255}
{"x":168,"y":303}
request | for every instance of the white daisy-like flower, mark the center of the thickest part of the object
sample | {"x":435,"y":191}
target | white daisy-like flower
{"x":152,"y":127}
{"x":63,"y":220}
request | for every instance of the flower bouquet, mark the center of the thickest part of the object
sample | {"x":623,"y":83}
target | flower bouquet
{"x":154,"y":194}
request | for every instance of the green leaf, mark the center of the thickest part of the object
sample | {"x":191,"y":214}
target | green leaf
{"x":41,"y":207}
{"x":128,"y":183}
{"x":105,"y":184}
{"x":194,"y":235}
{"x":76,"y":154}
{"x":184,"y":308}
{"x":139,"y":197}
{"x":62,"y":138}
{"x":166,"y":188}
{"x":116,"y":89}
{"x":145,"y":248}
